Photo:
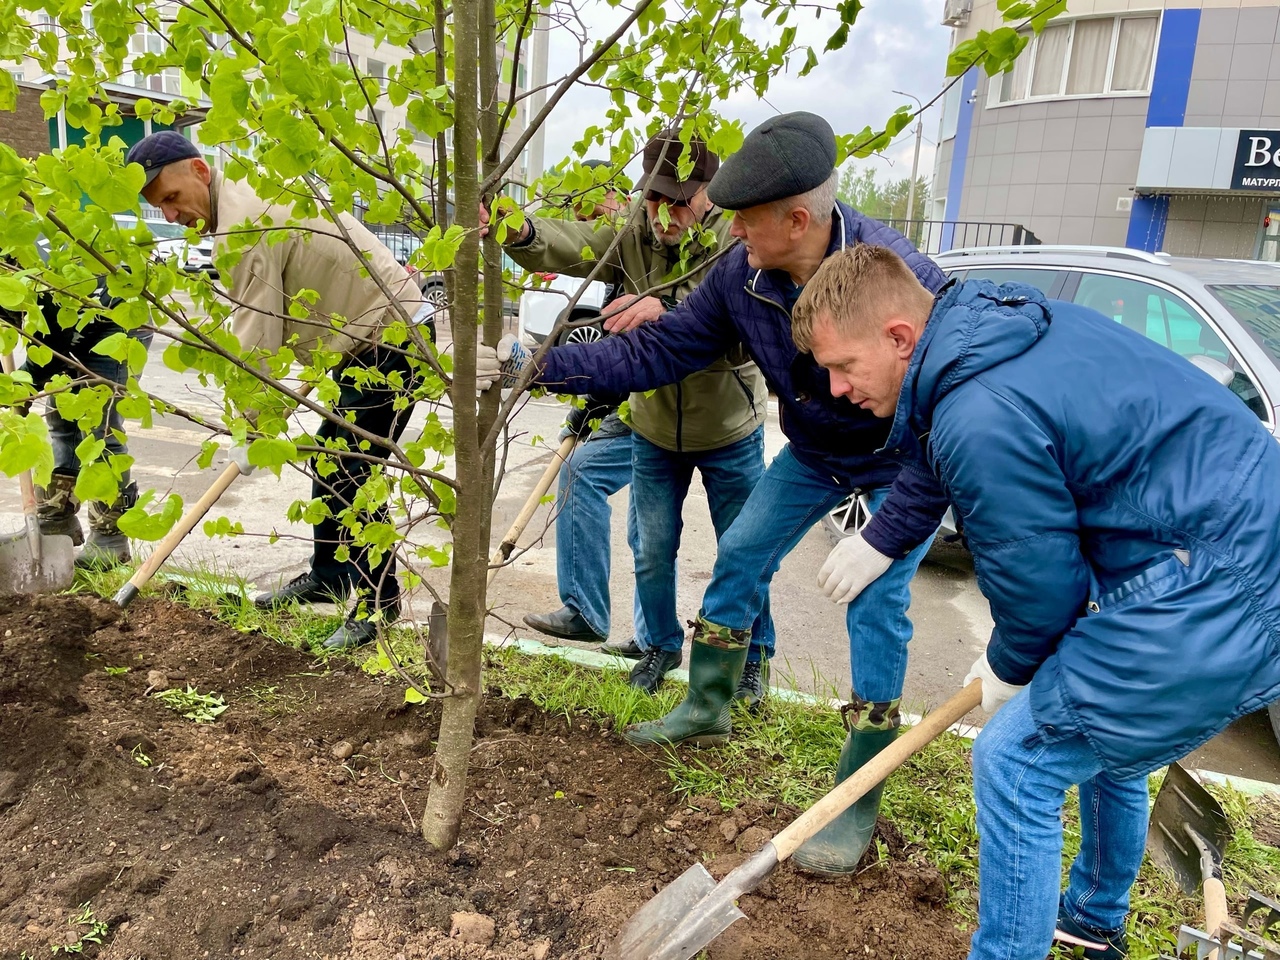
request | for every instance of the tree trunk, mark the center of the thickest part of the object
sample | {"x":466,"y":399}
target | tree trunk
{"x":442,"y":818}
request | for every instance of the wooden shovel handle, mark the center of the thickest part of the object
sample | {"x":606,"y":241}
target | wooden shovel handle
{"x":164,"y":549}
{"x":175,"y":536}
{"x":28,"y":486}
{"x":530,"y":507}
{"x":1215,"y":911}
{"x":876,"y":769}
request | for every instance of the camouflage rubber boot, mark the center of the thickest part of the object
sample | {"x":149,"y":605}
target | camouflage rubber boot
{"x":702,"y":718}
{"x":56,"y":508}
{"x":836,"y":848}
{"x":107,"y":547}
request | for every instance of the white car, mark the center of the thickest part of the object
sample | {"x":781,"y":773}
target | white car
{"x":541,"y":309}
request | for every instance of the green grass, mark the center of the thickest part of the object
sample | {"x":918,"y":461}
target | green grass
{"x":785,"y":756}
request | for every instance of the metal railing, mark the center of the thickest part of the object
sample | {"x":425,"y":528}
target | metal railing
{"x":935,"y":236}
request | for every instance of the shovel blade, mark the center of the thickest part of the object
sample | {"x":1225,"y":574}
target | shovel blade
{"x":650,"y":925}
{"x":19,"y":573}
{"x":1184,"y":804}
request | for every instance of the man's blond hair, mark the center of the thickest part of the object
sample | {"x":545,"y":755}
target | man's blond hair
{"x":856,"y":290}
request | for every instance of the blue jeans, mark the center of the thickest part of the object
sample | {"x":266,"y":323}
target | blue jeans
{"x":596,"y":470}
{"x":660,"y":483}
{"x":789,"y":499}
{"x":65,"y":435}
{"x":1020,"y":780}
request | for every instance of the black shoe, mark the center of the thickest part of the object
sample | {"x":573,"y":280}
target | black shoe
{"x":647,"y":675}
{"x":352,"y":634}
{"x":627,"y":648}
{"x":752,"y":685}
{"x":565,"y":623}
{"x":301,"y":589}
{"x":1115,"y":944}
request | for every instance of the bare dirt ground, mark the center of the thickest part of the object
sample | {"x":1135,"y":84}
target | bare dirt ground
{"x":287,"y":827}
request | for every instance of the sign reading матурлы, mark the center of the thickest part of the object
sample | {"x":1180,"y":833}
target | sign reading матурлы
{"x":1257,"y":165}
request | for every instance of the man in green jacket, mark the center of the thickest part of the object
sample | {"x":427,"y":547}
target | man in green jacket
{"x":712,"y":421}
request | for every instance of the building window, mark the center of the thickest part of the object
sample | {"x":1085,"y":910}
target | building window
{"x":951,"y":110}
{"x":149,"y":40}
{"x":1098,"y":56}
{"x":378,"y":70}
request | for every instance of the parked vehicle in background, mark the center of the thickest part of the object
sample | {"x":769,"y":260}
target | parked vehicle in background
{"x":403,"y":245}
{"x":1222,"y":315}
{"x":170,"y":240}
{"x":541,"y":309}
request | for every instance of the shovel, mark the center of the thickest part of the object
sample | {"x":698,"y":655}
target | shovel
{"x":33,"y":562}
{"x":508,"y":544}
{"x":126,"y":594}
{"x":1187,"y":835}
{"x":693,"y":909}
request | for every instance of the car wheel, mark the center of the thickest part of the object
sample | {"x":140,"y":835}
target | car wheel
{"x":847,"y":517}
{"x":588,"y":333}
{"x":435,"y":295}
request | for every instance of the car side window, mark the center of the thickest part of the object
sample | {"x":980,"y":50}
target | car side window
{"x":1046,"y":281}
{"x":1167,"y":319}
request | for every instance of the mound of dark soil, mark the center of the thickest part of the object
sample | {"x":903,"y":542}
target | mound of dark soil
{"x":287,"y":828}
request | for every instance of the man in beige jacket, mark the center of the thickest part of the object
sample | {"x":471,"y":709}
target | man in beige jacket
{"x":348,"y":317}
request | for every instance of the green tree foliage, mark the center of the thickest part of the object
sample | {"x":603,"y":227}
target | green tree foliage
{"x":884,"y":200}
{"x":283,"y":100}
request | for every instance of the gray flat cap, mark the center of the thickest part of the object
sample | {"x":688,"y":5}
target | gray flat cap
{"x":783,"y":157}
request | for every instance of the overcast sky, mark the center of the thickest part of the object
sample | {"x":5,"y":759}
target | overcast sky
{"x":895,"y":45}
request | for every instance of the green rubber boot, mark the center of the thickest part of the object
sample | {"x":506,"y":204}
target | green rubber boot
{"x":702,"y":718}
{"x":836,"y":849}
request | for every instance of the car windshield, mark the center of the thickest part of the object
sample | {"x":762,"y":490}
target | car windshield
{"x":1257,"y":307}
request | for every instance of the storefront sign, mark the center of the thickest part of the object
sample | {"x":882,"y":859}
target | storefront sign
{"x":1257,"y":165}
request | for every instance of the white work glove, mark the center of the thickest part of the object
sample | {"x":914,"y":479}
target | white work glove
{"x":240,"y":457}
{"x":995,"y":692}
{"x":501,"y":363}
{"x":850,"y":568}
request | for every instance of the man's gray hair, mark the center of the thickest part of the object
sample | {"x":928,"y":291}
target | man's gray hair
{"x":820,"y":201}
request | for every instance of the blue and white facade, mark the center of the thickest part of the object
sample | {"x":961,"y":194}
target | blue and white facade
{"x":1124,"y":123}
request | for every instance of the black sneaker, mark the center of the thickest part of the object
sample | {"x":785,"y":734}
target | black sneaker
{"x":1113,"y":944}
{"x":752,"y":685}
{"x":648,"y":673}
{"x":301,"y":589}
{"x":353,"y":633}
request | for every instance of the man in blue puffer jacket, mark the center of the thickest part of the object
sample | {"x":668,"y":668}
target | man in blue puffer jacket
{"x":782,"y":185}
{"x":1123,"y":528}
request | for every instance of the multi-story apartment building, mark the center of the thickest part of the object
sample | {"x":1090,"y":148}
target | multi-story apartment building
{"x":1153,"y":125}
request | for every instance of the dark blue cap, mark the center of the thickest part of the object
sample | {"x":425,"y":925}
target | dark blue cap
{"x":157,"y":151}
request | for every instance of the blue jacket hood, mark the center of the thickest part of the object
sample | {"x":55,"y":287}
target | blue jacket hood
{"x":974,"y":326}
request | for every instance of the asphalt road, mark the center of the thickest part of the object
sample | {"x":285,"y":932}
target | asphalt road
{"x":951,"y":617}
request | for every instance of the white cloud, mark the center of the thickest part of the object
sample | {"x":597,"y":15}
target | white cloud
{"x":894,"y":45}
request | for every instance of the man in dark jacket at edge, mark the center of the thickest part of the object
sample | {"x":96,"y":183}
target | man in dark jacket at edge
{"x":1124,"y":531}
{"x":782,"y":185}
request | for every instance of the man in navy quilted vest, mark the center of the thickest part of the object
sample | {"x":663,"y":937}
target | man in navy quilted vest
{"x":1123,"y":529}
{"x":782,"y":186}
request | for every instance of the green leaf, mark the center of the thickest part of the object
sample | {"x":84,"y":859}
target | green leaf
{"x":97,"y":481}
{"x":8,"y":91}
{"x":141,"y":525}
{"x":413,"y":696}
{"x":272,"y":453}
{"x":13,"y":293}
{"x":24,"y":445}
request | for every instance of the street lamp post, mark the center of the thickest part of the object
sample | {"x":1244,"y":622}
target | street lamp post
{"x":915,"y":161}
